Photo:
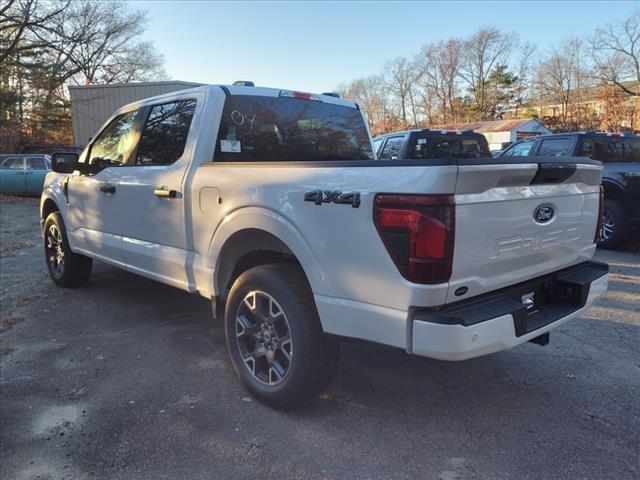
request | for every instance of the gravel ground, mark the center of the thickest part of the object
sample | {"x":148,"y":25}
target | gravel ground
{"x":127,"y":378}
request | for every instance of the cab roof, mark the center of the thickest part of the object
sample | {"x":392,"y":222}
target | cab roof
{"x":243,"y":90}
{"x":428,"y":131}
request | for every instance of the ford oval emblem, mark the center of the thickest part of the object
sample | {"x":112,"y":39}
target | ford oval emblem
{"x":544,"y":213}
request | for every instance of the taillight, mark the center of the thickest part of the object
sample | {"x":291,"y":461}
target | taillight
{"x":418,"y":232}
{"x":600,"y":214}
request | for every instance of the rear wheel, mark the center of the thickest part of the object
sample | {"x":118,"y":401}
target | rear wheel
{"x":615,"y":230}
{"x":66,"y":268}
{"x":274,"y":337}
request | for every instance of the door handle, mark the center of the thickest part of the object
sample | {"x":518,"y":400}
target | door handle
{"x":161,"y":192}
{"x":108,"y":188}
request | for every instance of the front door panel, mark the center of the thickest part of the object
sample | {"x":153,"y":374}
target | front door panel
{"x":95,"y":223}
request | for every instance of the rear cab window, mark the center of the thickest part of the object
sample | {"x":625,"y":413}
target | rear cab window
{"x":425,"y":146}
{"x":611,"y":149}
{"x":286,"y":129}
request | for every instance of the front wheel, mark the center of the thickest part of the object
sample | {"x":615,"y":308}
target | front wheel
{"x":66,"y":268}
{"x":274,"y":337}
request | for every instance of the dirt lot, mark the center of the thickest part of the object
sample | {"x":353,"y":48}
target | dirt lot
{"x":127,"y":378}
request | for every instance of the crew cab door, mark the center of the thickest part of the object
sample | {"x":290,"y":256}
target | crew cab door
{"x":154,"y":231}
{"x":95,"y":202}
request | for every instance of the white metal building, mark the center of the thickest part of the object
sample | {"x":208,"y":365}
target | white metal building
{"x":91,"y":105}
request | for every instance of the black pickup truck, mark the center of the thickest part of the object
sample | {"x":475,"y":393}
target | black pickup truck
{"x":620,"y":155}
{"x":426,"y":144}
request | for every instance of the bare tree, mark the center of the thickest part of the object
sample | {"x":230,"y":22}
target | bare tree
{"x":98,"y":42}
{"x":369,"y":93}
{"x":439,"y":70}
{"x":18,"y":18}
{"x":615,"y":50}
{"x":45,"y":45}
{"x":563,"y":77}
{"x":400,"y":76}
{"x":525,"y":71}
{"x":483,"y":51}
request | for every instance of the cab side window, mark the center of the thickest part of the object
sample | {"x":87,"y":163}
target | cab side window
{"x":165,"y":132}
{"x":586,"y":149}
{"x":604,"y":149}
{"x":12,"y":164}
{"x":519,"y":150}
{"x":114,"y":144}
{"x":36,"y":164}
{"x":632,"y":150}
{"x":392,"y":148}
{"x":555,"y":147}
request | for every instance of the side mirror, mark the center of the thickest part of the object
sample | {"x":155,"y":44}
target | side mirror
{"x":64,"y":162}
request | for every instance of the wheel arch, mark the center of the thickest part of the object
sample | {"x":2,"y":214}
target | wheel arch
{"x":246,"y":249}
{"x":49,"y":206}
{"x":613,"y":190}
{"x":253,"y":236}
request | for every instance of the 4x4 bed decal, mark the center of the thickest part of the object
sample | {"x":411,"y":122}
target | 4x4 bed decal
{"x":329,"y":196}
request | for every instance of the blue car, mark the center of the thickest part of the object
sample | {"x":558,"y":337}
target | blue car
{"x":22,"y":174}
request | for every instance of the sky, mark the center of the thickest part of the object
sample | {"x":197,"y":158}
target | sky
{"x":313,"y":46}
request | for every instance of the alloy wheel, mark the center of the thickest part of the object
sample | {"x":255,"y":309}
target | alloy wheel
{"x":264,"y":338}
{"x":55,"y":249}
{"x":608,"y":226}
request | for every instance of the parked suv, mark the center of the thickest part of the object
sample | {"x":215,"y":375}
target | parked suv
{"x":431,"y":144}
{"x":271,"y":204}
{"x":620,"y":155}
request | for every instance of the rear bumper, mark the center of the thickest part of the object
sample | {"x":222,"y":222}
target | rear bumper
{"x":500,"y":320}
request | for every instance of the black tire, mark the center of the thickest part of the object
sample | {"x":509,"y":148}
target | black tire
{"x":283,"y":289}
{"x":615,"y":227}
{"x":66,"y":268}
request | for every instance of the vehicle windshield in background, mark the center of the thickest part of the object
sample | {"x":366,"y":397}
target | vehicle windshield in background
{"x":276,"y":129}
{"x":611,"y":149}
{"x":426,"y":147}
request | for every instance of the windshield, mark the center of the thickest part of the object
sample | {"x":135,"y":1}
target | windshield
{"x":277,"y":129}
{"x":426,"y":147}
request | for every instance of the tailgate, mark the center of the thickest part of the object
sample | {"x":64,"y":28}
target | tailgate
{"x":519,"y":218}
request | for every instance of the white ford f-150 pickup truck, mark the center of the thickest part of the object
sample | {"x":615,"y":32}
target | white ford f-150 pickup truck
{"x":271,"y":204}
